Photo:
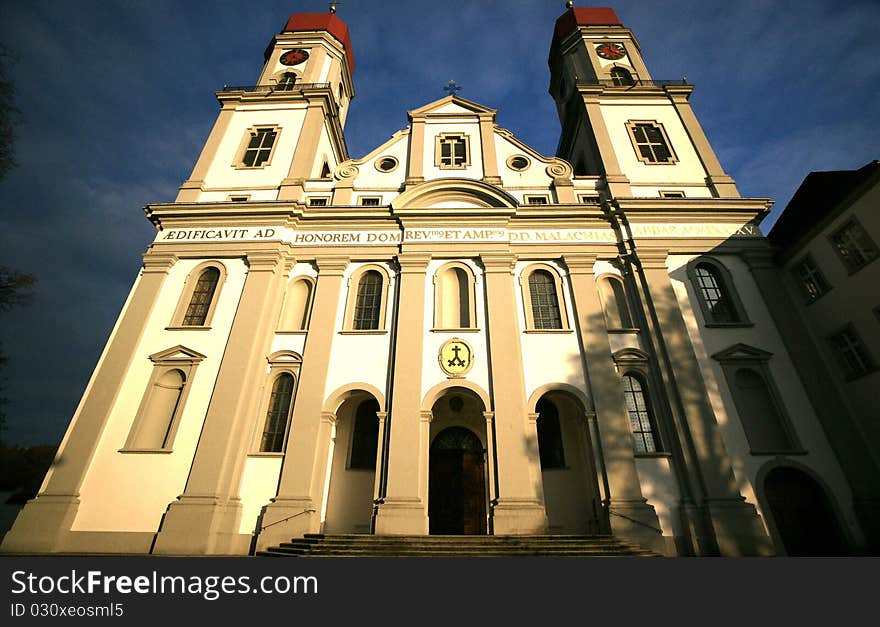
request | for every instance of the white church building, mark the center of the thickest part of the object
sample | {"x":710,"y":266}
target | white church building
{"x":455,"y":335}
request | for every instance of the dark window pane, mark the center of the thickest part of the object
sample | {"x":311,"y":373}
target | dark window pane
{"x":545,"y":304}
{"x":277,"y":415}
{"x":639,"y":416}
{"x":368,"y":302}
{"x":203,"y":294}
{"x":715,"y":295}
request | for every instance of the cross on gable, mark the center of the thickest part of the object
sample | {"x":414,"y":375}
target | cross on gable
{"x":452,"y":88}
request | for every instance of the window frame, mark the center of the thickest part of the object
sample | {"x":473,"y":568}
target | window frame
{"x":631,"y":126}
{"x":727,"y":288}
{"x":179,"y":358}
{"x":351,"y":299}
{"x":609,"y":277}
{"x":280,"y":362}
{"x":870,"y":363}
{"x":672,"y":193}
{"x":282,"y":327}
{"x":470,"y":277}
{"x":872,"y":251}
{"x":324,"y":201}
{"x":239,"y":163}
{"x":647,"y":398}
{"x":801,"y":280}
{"x":438,"y":151}
{"x":362,"y":199}
{"x":533,"y":200}
{"x":628,"y":80}
{"x":740,"y":356}
{"x":189,"y":286}
{"x":526,"y":292}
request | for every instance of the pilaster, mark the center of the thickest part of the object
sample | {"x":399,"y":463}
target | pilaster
{"x":487,"y":143}
{"x":404,"y":510}
{"x":416,"y":173}
{"x":520,"y":508}
{"x":205,"y":518}
{"x":617,"y":182}
{"x":293,"y":187}
{"x":296,"y":508}
{"x":717,"y":178}
{"x":630,"y":514}
{"x":191,"y":188}
{"x":44,"y":522}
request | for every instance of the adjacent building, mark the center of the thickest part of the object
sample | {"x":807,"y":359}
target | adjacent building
{"x":455,"y":334}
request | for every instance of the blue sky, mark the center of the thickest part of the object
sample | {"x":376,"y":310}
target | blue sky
{"x":117,"y":100}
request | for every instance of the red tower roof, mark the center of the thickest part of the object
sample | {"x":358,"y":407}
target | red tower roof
{"x":569,"y":21}
{"x":322,"y":22}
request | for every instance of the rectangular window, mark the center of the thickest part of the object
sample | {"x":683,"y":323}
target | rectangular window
{"x":671,"y":194}
{"x":452,"y":151}
{"x":650,"y":142}
{"x":370,"y":201}
{"x":851,"y":353}
{"x":259,"y":147}
{"x":318,"y":202}
{"x":810,"y":279}
{"x":238,"y":198}
{"x":589,"y":199}
{"x":853,"y":245}
{"x":537,"y":200}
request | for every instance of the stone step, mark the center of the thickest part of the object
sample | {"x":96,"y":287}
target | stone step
{"x":354,"y":545}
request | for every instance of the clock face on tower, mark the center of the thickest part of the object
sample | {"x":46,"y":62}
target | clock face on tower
{"x":294,"y":57}
{"x":610,"y":51}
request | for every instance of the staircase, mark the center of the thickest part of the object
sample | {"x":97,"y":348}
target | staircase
{"x":353,"y":545}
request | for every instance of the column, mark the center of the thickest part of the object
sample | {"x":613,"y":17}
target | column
{"x":205,"y":518}
{"x":297,"y":507}
{"x":631,"y":516}
{"x":735,"y":524}
{"x":405,"y":509}
{"x":45,"y":520}
{"x":841,"y":429}
{"x":520,"y":509}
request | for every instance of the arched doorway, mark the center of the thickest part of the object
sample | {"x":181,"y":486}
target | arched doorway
{"x":568,"y":472}
{"x":802,"y":514}
{"x":352,"y":477}
{"x":457,"y":480}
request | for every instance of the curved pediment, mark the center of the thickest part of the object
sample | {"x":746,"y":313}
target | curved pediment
{"x":454,"y":192}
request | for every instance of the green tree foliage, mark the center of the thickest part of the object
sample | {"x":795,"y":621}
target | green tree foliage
{"x":9,"y":113}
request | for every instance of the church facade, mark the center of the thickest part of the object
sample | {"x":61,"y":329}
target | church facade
{"x":454,"y":334}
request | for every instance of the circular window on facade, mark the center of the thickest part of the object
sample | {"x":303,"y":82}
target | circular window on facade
{"x":518,"y":163}
{"x":386,"y":164}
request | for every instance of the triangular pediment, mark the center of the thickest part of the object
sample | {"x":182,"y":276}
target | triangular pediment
{"x":177,"y":353}
{"x":742,"y":352}
{"x":451,"y":105}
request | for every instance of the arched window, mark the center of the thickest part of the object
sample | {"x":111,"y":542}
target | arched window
{"x":640,"y":415}
{"x":158,"y":417}
{"x":369,"y":301}
{"x":544,"y":301}
{"x":365,"y":436}
{"x":286,"y":81}
{"x":200,"y":297}
{"x":617,"y":314}
{"x":716,"y":294}
{"x":549,"y":435}
{"x":159,"y":414}
{"x":454,"y":298}
{"x":297,"y":305}
{"x":621,"y":77}
{"x":764,"y":426}
{"x":278,"y":414}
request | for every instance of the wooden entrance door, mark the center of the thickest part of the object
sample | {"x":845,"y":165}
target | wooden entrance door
{"x":457,"y":484}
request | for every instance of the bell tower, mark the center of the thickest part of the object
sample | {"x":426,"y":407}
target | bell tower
{"x":639,"y":134}
{"x":273,"y":137}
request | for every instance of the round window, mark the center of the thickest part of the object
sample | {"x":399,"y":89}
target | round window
{"x":386,"y":164}
{"x":518,"y":162}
